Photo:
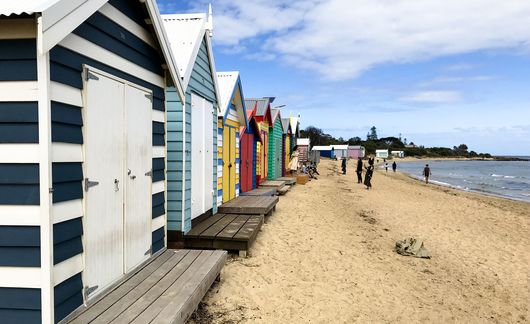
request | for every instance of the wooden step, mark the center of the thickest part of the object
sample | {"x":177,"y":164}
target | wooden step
{"x":283,"y":190}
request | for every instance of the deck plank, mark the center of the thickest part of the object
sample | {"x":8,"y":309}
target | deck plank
{"x":216,"y":228}
{"x":249,"y":205}
{"x":94,"y":310}
{"x":231,"y":229}
{"x":184,"y":298}
{"x":273,"y":183}
{"x":129,"y":299}
{"x":164,"y":294}
{"x":148,"y":297}
{"x":251,"y":226}
{"x":197,"y":230}
{"x":260,"y":192}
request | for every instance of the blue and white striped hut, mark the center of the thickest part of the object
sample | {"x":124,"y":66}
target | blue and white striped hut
{"x":82,"y":150}
{"x":192,"y":184}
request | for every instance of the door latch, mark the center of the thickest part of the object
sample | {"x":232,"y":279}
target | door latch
{"x":89,"y":290}
{"x":116,"y":185}
{"x":89,"y":184}
{"x":89,"y":76}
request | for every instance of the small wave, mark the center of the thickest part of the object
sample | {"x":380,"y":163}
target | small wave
{"x":441,"y":183}
{"x":510,"y":177}
{"x":497,"y":175}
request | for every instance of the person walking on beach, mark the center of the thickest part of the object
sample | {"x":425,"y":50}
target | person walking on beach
{"x":359,"y":170}
{"x":343,"y":165}
{"x":293,"y":165}
{"x":426,"y":173}
{"x":394,"y":166}
{"x":369,"y":174}
{"x":386,"y":167}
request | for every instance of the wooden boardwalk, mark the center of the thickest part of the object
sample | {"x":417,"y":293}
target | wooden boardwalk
{"x":260,"y":192}
{"x":168,"y":289}
{"x":288,"y":180}
{"x":249,"y":205}
{"x":225,"y":231}
{"x":272,"y":184}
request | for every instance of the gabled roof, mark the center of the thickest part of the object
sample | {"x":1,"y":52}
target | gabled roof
{"x":286,"y":124}
{"x":261,"y":105}
{"x":229,"y":89}
{"x":275,"y":115}
{"x":186,"y":33}
{"x":295,"y":125}
{"x":251,"y":113}
{"x":60,"y":17}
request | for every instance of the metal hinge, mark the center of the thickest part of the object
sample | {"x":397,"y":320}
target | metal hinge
{"x":89,"y":184}
{"x":149,"y":96}
{"x":89,"y":76}
{"x":149,"y":173}
{"x":148,"y":252}
{"x":89,"y":290}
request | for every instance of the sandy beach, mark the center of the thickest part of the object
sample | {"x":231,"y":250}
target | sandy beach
{"x":326,"y":256}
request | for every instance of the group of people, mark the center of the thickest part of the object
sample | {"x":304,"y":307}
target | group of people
{"x":369,"y":170}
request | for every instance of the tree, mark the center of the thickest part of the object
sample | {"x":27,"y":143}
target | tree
{"x":372,"y":135}
{"x":354,"y":141}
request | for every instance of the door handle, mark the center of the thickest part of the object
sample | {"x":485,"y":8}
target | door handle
{"x":116,"y":184}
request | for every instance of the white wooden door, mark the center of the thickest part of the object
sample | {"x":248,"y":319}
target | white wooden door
{"x":104,"y":151}
{"x":208,"y":155}
{"x":138,"y":110}
{"x":197,"y":156}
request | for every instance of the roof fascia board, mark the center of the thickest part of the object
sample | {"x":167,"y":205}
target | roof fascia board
{"x":163,"y":40}
{"x":62,"y":22}
{"x":212,"y":66}
{"x":241,"y":110}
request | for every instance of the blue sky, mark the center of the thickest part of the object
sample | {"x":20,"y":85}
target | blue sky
{"x":439,"y":73}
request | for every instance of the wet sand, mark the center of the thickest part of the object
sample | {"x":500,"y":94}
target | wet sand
{"x":326,"y":256}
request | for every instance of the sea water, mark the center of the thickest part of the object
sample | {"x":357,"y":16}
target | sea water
{"x":509,"y":179}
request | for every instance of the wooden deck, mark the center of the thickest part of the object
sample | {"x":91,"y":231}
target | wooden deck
{"x":288,"y":180}
{"x":272,"y":184}
{"x":168,"y":289}
{"x":250,"y":205}
{"x":260,"y":192}
{"x":225,"y":231}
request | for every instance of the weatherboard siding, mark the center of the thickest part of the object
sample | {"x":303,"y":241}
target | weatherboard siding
{"x":201,"y":83}
{"x":102,"y":43}
{"x":275,"y":140}
{"x":66,"y":66}
{"x":19,"y":181}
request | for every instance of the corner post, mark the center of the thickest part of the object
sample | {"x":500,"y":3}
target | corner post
{"x":45,"y":178}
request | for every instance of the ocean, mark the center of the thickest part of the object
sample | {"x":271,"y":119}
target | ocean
{"x":510,"y":179}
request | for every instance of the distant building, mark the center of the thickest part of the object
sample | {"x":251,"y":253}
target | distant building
{"x":382,"y":154}
{"x":303,"y":148}
{"x":325,"y":151}
{"x":340,"y":151}
{"x":356,"y":151}
{"x":410,"y":146}
{"x":399,"y":154}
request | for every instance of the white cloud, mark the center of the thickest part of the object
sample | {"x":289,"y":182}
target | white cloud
{"x":433,"y":97}
{"x":342,"y":38}
{"x":457,"y":79}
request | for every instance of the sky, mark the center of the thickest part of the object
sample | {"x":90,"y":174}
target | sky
{"x":440,"y":73}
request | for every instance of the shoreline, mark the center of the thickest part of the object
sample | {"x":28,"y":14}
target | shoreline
{"x":454,"y":187}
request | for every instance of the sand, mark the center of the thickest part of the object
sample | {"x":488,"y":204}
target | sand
{"x":326,"y":256}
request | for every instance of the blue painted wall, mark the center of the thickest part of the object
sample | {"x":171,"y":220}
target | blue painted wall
{"x":201,"y":83}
